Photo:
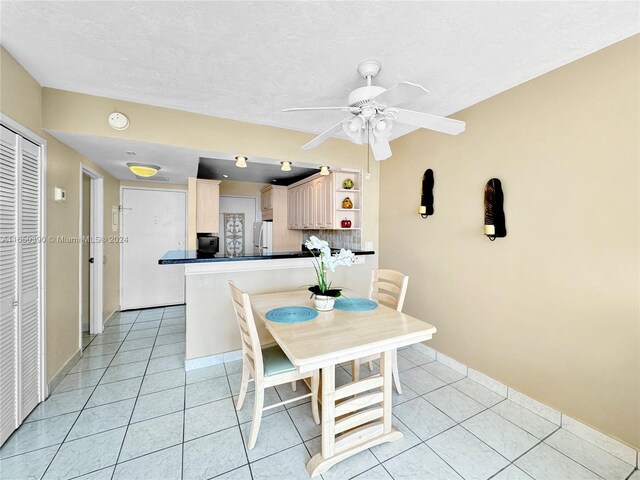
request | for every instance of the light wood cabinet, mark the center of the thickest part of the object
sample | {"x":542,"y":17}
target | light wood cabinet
{"x":266,"y":204}
{"x":207,"y":206}
{"x":274,"y":198}
{"x":316,"y":203}
{"x":204,"y":209}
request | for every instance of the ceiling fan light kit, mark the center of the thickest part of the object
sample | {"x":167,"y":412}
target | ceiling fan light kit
{"x":374,"y":114}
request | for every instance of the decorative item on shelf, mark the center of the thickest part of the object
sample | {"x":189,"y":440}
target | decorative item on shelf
{"x":325,"y":295}
{"x":494,"y":221}
{"x":347,"y":203}
{"x":426,"y":199}
{"x":348,"y":184}
{"x":346,"y":223}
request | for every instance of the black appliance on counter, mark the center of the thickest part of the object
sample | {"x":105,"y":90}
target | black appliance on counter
{"x":208,"y":243}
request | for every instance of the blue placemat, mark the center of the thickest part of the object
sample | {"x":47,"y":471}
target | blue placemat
{"x":291,"y":314}
{"x":355,"y":304}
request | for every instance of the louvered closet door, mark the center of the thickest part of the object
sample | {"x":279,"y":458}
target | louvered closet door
{"x":29,"y":277}
{"x":8,"y":284}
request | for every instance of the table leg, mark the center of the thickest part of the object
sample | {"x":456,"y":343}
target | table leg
{"x":355,"y":416}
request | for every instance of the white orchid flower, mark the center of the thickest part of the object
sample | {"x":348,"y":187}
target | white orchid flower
{"x":314,"y":243}
{"x":325,"y":260}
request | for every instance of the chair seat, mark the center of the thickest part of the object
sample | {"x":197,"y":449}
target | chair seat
{"x":275,"y":361}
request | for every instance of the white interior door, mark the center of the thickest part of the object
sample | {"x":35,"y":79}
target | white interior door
{"x":153,"y":222}
{"x":21,"y":321}
{"x":8,"y":284}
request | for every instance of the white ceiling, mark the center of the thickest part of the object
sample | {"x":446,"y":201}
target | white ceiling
{"x":249,"y":60}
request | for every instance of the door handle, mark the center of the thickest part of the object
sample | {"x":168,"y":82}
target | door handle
{"x":91,"y":260}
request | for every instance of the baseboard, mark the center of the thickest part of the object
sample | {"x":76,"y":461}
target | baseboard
{"x":110,"y":316}
{"x":211,"y":360}
{"x":601,"y":440}
{"x":55,"y":381}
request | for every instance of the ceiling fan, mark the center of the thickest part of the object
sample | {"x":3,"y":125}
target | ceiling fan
{"x":373,"y":113}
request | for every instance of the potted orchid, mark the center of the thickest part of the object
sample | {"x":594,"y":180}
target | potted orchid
{"x":325,"y":295}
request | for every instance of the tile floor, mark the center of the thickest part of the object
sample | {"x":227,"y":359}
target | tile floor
{"x":128,"y":410}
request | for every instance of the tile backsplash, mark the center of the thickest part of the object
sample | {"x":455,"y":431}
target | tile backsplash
{"x":350,"y":239}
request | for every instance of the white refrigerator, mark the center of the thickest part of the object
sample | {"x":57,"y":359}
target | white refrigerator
{"x":262,"y":237}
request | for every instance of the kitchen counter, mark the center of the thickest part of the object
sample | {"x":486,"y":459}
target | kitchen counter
{"x":211,"y":328}
{"x":174,"y":257}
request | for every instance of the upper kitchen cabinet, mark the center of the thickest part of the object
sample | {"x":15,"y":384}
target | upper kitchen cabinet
{"x":204,"y":207}
{"x":267,"y":202}
{"x":207,"y":206}
{"x":320,"y":202}
{"x":274,"y":206}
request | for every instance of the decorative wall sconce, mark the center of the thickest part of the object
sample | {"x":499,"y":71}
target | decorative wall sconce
{"x":426,"y":200}
{"x":494,"y":221}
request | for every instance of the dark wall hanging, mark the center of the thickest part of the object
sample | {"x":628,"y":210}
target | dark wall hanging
{"x":494,"y":222}
{"x":426,"y":200}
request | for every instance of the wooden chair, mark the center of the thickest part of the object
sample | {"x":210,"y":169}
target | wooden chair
{"x":267,"y":366}
{"x":388,"y":288}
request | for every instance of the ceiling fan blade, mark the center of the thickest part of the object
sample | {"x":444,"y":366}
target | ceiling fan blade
{"x":400,"y":93}
{"x":432,"y":122}
{"x":310,"y":109}
{"x":381,"y":149}
{"x":323,"y":136}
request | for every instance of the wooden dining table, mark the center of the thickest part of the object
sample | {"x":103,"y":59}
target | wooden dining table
{"x":355,"y":416}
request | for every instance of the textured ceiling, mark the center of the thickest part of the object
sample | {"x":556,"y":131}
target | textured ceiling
{"x":249,"y":60}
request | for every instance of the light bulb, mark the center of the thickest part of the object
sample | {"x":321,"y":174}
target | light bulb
{"x":381,"y":125}
{"x":286,"y":166}
{"x":353,"y":127}
{"x":241,"y":161}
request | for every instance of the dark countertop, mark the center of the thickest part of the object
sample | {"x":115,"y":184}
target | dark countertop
{"x":173,"y":257}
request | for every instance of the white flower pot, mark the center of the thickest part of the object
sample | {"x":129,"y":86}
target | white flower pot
{"x":324,"y":303}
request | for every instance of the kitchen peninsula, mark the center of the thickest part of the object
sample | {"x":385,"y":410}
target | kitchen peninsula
{"x":211,"y":329}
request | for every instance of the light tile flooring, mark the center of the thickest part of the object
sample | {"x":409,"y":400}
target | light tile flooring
{"x":127,"y":410}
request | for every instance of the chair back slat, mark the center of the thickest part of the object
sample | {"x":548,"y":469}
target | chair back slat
{"x":251,"y":349}
{"x":389,"y":288}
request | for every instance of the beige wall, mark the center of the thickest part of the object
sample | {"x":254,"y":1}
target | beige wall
{"x":552,"y":309}
{"x":243,"y":189}
{"x":21,"y":100}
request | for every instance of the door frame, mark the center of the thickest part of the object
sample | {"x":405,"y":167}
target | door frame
{"x":96,"y":250}
{"x":28,"y":134}
{"x":121,"y":208}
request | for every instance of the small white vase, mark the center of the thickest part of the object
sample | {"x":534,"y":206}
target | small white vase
{"x":324,"y":303}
